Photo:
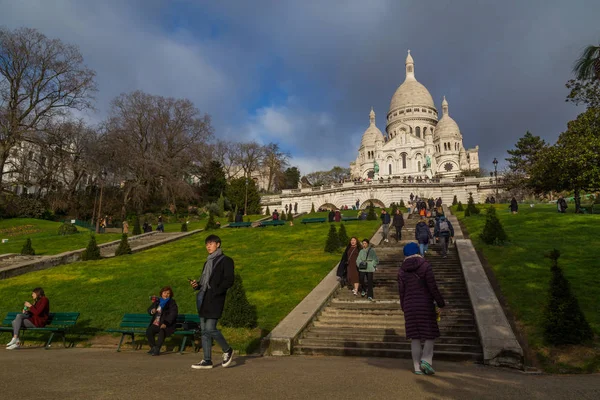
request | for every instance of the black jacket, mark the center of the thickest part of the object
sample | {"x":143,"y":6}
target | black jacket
{"x":220,"y":280}
{"x":422,"y":233}
{"x":168,"y":315}
{"x":398,"y":221}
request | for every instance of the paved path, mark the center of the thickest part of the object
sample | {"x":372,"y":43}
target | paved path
{"x":100,"y":374}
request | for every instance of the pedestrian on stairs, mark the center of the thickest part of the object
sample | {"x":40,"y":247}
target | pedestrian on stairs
{"x":385,"y":224}
{"x":444,"y":232}
{"x":423,"y":235}
{"x":398,"y":223}
{"x":419,"y":296}
{"x":347,"y":271}
{"x":367,"y":264}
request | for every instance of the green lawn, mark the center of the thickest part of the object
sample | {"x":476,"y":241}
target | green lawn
{"x":279,"y":266}
{"x":44,"y":236}
{"x":524,"y":273}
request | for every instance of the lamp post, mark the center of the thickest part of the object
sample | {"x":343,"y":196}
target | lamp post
{"x":495,"y":162}
{"x":102,"y":177}
{"x":246,"y":201}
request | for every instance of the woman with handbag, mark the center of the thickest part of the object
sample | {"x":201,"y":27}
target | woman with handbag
{"x":164,"y":312}
{"x":418,"y":291}
{"x":347,"y":268}
{"x":34,"y":316}
{"x":367,"y":264}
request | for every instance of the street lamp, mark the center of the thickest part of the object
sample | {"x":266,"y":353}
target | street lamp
{"x":495,"y":162}
{"x":246,"y":201}
{"x":102,"y":177}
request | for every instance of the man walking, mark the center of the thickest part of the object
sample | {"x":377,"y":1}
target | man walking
{"x":385,"y":221}
{"x":443,"y":231}
{"x":217,"y":276}
{"x":398,"y":223}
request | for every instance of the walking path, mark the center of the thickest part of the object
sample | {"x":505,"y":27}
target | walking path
{"x":101,"y":374}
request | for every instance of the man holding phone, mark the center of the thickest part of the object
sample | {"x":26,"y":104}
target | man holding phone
{"x":217,"y":277}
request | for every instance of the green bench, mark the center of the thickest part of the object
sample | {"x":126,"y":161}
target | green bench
{"x":349,"y":218}
{"x":58,"y":323}
{"x":239,"y":224}
{"x":313,"y":220}
{"x":276,"y":222}
{"x":136,"y":324}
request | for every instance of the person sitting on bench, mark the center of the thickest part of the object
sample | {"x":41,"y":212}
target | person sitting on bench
{"x":34,"y":316}
{"x":165,"y":310}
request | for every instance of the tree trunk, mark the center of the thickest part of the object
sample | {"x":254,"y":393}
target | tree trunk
{"x":577,"y":201}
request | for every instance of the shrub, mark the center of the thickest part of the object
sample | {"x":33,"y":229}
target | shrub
{"x":394,"y":208}
{"x":221,"y":205}
{"x":460,"y":207}
{"x":473,"y":210}
{"x":184,"y":227}
{"x":27,"y":249}
{"x":493,"y":232}
{"x":238,"y":312}
{"x":67,"y":229}
{"x":564,"y":322}
{"x":230,"y":216}
{"x":343,"y":236}
{"x":124,"y":247}
{"x":467,"y":212}
{"x":213,"y":209}
{"x":268,"y":212}
{"x":290,"y":217}
{"x":283,"y":217}
{"x":454,"y":200}
{"x":371,"y":216}
{"x":402,"y":203}
{"x":312,"y":208}
{"x":210,"y":224}
{"x":333,"y":241}
{"x":92,"y":251}
{"x":137,"y":229}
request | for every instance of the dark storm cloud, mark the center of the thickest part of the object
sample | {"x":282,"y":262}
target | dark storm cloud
{"x":501,"y":65}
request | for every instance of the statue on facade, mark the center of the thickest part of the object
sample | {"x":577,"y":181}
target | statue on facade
{"x":376,"y":168}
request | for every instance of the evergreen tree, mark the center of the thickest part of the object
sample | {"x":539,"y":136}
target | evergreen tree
{"x":467,"y":212}
{"x":402,"y":205}
{"x":67,"y":229}
{"x":371,"y":216}
{"x":238,"y":312}
{"x":333,"y":241}
{"x":268,"y":212}
{"x":394,"y":208}
{"x":312,"y":208}
{"x":564,"y":322}
{"x":454,"y":200}
{"x":184,"y":227}
{"x":493,"y":232}
{"x":473,"y":210}
{"x":235,"y":212}
{"x":137,"y":229}
{"x":211,"y":223}
{"x":92,"y":251}
{"x":460,"y":206}
{"x":124,"y":247}
{"x":343,"y":236}
{"x":290,"y":217}
{"x":282,"y":216}
{"x":27,"y":249}
{"x":221,"y":205}
{"x":230,"y":216}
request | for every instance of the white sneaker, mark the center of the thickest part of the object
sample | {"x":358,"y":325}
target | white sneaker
{"x":12,"y":341}
{"x":14,"y":346}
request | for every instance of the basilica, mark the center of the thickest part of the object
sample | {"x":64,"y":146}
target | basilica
{"x":416,"y":143}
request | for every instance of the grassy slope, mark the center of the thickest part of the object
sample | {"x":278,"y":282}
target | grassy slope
{"x":44,"y":237}
{"x":524,"y":273}
{"x":279,"y":265}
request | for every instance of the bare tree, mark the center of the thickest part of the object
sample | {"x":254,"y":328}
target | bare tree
{"x":152,"y":144}
{"x":40,"y":79}
{"x":251,"y":156}
{"x":275,"y":161}
{"x":229,"y":155}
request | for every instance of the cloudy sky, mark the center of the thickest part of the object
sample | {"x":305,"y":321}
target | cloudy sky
{"x":305,"y":73}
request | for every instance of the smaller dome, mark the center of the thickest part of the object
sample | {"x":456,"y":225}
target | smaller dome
{"x":447,"y":127}
{"x":372,"y":134}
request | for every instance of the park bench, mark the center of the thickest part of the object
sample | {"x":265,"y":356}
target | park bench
{"x":313,"y":220}
{"x":349,"y":218}
{"x":239,"y":224}
{"x":276,"y":222}
{"x":58,"y":323}
{"x":136,"y":324}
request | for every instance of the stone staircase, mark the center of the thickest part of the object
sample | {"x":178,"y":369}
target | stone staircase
{"x":353,"y":326}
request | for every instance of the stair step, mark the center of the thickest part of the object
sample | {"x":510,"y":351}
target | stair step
{"x":404,"y":345}
{"x":395,"y":353}
{"x":380,"y":332}
{"x":472,"y":340}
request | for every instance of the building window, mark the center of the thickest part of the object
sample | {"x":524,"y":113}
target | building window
{"x":424,"y":131}
{"x":389,"y":169}
{"x":418,"y":131}
{"x":403,"y":160}
{"x":419,"y":166}
{"x":448,"y":167}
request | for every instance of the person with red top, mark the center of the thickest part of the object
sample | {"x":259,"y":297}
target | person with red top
{"x":34,"y":316}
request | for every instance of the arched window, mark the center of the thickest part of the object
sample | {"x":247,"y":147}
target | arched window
{"x":424,"y":131}
{"x":389,"y":169}
{"x":403,"y":160}
{"x":418,"y":131}
{"x":419,"y":166}
{"x":445,"y":146}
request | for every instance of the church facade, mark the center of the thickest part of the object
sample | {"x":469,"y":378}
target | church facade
{"x":416,"y":144}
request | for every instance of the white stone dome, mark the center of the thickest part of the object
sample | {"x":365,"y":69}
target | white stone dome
{"x":411,"y":92}
{"x":446,"y":127}
{"x":372,"y":134}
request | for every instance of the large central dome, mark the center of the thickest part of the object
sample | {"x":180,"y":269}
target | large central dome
{"x":411,"y":92}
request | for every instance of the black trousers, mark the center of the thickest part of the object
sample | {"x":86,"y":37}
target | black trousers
{"x":398,"y":233}
{"x":152,"y":331}
{"x":368,"y":287}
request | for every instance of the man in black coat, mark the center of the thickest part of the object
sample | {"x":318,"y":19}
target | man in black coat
{"x":217,"y":277}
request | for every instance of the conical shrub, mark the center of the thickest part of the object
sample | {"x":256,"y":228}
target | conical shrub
{"x":211,"y":223}
{"x":268,"y":212}
{"x":283,"y":216}
{"x":92,"y":251}
{"x":564,"y":322}
{"x":230,"y":216}
{"x":394,"y":208}
{"x":371,"y":216}
{"x":333,"y":241}
{"x":312,"y":208}
{"x":124,"y":247}
{"x":460,"y":207}
{"x":27,"y":249}
{"x":343,"y":236}
{"x":137,"y":229}
{"x":454,"y":200}
{"x":473,"y":210}
{"x":184,"y":227}
{"x":238,"y":312}
{"x":402,"y":204}
{"x":290,"y":217}
{"x":493,"y":232}
{"x":467,"y":212}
